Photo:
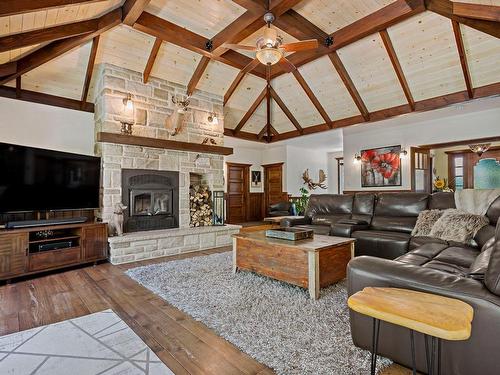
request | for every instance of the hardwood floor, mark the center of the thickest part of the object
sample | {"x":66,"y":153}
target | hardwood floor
{"x":183,"y":344}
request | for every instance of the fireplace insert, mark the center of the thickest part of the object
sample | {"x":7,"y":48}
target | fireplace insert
{"x":152,"y":198}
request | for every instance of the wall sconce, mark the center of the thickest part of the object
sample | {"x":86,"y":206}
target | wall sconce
{"x":128,"y":112}
{"x":357,"y":158}
{"x":403,"y":153}
{"x":212,"y":118}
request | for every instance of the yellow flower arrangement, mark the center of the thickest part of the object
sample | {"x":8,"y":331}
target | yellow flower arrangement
{"x":439,"y":183}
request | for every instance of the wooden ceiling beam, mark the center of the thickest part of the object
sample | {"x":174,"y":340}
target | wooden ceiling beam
{"x":41,"y":98}
{"x":242,"y":135}
{"x":349,"y":84}
{"x":198,"y":73}
{"x":477,"y":11}
{"x":463,"y":57}
{"x":302,"y":82}
{"x":239,"y":78}
{"x":420,"y":106}
{"x":285,"y":110}
{"x":48,"y":34}
{"x":90,"y":69}
{"x":373,"y":23}
{"x":169,"y":32}
{"x":389,"y":47}
{"x":299,"y":27}
{"x":250,"y":111}
{"x":132,"y":9}
{"x":445,"y":9}
{"x":151,"y":59}
{"x":264,"y":131}
{"x":8,"y":68}
{"x":58,"y":48}
{"x":268,"y":111}
{"x":12,"y":7}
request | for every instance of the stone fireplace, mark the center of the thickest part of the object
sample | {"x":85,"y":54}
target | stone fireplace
{"x":154,"y":182}
{"x":152,"y":199}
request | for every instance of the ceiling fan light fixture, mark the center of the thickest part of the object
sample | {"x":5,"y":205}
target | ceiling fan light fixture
{"x":269,"y":56}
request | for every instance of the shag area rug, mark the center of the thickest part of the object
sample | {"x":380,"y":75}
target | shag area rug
{"x":95,"y":344}
{"x":273,"y":322}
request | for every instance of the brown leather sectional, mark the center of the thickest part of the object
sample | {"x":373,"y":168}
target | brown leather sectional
{"x":396,"y":259}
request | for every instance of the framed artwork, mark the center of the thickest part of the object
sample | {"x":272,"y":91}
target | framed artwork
{"x":381,"y":167}
{"x":256,"y":179}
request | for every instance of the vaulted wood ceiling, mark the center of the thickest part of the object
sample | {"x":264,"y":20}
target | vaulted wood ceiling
{"x":385,"y":57}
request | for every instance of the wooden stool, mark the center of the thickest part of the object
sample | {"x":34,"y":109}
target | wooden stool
{"x":430,"y":314}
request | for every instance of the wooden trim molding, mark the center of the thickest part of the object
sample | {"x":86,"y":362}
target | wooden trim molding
{"x":461,"y":143}
{"x":162,"y":143}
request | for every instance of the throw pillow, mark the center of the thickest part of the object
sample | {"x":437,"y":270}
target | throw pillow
{"x":458,"y":226}
{"x":425,"y":221}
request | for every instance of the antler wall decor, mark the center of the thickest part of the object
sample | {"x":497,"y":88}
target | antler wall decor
{"x":313,"y":185}
{"x":173,"y":123}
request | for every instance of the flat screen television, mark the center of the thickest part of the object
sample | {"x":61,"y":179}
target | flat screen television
{"x":34,"y":179}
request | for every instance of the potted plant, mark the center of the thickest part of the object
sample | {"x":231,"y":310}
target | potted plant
{"x":301,"y":202}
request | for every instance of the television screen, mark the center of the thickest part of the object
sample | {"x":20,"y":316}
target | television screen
{"x":33,"y":179}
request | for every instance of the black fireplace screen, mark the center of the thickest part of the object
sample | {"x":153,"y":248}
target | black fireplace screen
{"x":152,"y":198}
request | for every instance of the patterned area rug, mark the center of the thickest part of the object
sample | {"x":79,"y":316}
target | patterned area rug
{"x":275,"y":323}
{"x":95,"y":344}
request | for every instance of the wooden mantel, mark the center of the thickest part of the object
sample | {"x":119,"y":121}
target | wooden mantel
{"x":162,"y":143}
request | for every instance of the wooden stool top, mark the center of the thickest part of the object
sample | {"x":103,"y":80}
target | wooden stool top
{"x":437,"y":316}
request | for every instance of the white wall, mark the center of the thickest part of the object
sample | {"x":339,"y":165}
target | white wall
{"x":43,"y":126}
{"x":481,"y":119}
{"x":297,"y":161}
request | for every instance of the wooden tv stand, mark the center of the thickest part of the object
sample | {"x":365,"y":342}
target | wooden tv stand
{"x":23,"y":251}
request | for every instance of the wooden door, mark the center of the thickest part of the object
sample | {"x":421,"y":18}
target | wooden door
{"x":273,"y":184}
{"x":94,"y":242}
{"x":13,"y":254}
{"x":421,"y":170}
{"x":237,"y":192}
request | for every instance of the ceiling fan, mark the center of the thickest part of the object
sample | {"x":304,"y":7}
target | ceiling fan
{"x":270,"y":49}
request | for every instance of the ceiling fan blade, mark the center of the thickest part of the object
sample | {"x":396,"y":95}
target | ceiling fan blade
{"x":300,"y":46}
{"x":240,"y":46}
{"x":287,"y":65}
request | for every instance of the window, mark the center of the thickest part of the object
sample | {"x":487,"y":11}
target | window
{"x":457,"y":177}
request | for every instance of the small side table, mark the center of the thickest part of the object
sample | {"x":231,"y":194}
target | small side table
{"x":435,"y":316}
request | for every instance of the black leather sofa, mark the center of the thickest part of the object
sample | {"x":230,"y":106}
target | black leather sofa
{"x":280,"y":209}
{"x":471,"y":274}
{"x":382,"y":225}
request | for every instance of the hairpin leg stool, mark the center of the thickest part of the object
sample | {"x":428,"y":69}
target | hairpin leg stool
{"x":436,"y":317}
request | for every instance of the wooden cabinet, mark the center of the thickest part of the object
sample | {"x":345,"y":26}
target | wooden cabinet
{"x":13,"y":254}
{"x":30,"y":250}
{"x":94,"y":242}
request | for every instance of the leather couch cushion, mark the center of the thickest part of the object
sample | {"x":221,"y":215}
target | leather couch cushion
{"x":398,"y":211}
{"x":429,"y":250}
{"x":318,"y":229}
{"x":419,"y":241}
{"x":441,"y":201}
{"x":279,"y":213}
{"x":363,"y":206}
{"x":447,"y":267}
{"x":492,"y":276}
{"x":460,"y":256}
{"x":328,"y":219}
{"x":412,"y":258}
{"x":493,"y":212}
{"x":484,"y":235}
{"x":382,"y":244}
{"x":478,"y":268}
{"x":329,"y":204}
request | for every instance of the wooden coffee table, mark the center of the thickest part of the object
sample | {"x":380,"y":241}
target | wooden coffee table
{"x":311,"y":264}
